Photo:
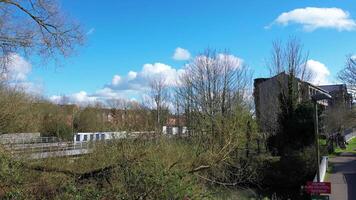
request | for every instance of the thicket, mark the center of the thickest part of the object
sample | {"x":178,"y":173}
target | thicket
{"x":159,"y":168}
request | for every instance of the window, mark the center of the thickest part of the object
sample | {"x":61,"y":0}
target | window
{"x":97,"y":136}
{"x":85,"y":138}
{"x":77,"y":138}
{"x":91,"y":137}
{"x":102,"y":136}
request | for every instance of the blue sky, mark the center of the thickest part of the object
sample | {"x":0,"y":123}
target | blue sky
{"x":123,"y":36}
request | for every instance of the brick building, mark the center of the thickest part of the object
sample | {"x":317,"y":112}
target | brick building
{"x":267,"y":91}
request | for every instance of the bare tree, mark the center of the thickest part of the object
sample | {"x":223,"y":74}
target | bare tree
{"x":120,"y":110}
{"x":289,"y":58}
{"x":213,"y":86}
{"x":160,"y":96}
{"x":348,"y":74}
{"x":36,"y":27}
{"x":285,"y":88}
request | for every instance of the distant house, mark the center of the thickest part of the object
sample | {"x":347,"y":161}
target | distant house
{"x":175,"y":125}
{"x":268,"y":90}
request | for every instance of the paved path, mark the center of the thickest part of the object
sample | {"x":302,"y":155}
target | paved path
{"x":343,"y":178}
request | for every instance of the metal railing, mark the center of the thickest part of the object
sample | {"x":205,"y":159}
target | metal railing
{"x":46,"y":150}
{"x":34,"y":140}
{"x":52,"y":147}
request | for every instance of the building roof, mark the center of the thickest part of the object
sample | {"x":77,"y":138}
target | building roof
{"x":331,"y":88}
{"x":283,"y":73}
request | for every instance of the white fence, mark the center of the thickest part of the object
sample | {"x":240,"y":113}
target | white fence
{"x":322,"y":169}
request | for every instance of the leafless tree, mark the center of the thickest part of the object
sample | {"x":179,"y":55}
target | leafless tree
{"x":339,"y":117}
{"x":348,"y":74}
{"x":36,"y":27}
{"x":160,"y":96}
{"x":213,"y":86}
{"x":289,"y":58}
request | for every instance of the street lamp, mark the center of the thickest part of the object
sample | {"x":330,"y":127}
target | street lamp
{"x":315,"y":98}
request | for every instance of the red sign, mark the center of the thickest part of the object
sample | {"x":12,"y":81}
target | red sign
{"x":318,"y":188}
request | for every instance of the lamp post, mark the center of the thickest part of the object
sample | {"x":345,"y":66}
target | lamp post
{"x":315,"y":98}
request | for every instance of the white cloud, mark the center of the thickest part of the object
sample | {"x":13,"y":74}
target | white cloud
{"x":320,"y":72}
{"x":80,"y":98}
{"x":116,"y":80}
{"x":181,"y":54}
{"x":16,"y":75}
{"x":234,"y":61}
{"x":312,"y":18}
{"x":55,"y":99}
{"x":131,"y":75}
{"x":18,"y":68}
{"x":150,"y":71}
{"x":136,"y":84}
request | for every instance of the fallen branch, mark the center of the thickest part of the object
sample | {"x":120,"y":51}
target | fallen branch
{"x":200,"y":168}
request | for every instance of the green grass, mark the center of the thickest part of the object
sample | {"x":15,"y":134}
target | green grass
{"x":351,"y":147}
{"x":329,"y":171}
{"x":220,"y":193}
{"x":322,"y":141}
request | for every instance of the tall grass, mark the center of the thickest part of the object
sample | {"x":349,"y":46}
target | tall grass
{"x":160,"y":168}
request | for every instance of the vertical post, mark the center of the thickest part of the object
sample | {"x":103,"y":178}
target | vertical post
{"x":316,"y":140}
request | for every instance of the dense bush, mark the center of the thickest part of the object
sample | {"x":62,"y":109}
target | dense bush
{"x":55,"y":122}
{"x":292,"y":170}
{"x":129,"y":169}
{"x":296,"y":130}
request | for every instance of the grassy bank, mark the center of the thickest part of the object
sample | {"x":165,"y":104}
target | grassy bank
{"x":131,"y":169}
{"x":351,"y":147}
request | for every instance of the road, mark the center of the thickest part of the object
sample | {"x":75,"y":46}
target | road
{"x":343,"y":177}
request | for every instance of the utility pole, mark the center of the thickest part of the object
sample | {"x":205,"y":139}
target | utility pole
{"x":316,"y":132}
{"x":315,"y":98}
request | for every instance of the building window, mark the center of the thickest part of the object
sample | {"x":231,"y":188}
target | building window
{"x":91,"y":137}
{"x":77,"y":138}
{"x":102,"y":136}
{"x":97,"y":136}
{"x":85,"y":138}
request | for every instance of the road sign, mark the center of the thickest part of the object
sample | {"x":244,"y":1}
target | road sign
{"x":318,"y":188}
{"x":320,"y":197}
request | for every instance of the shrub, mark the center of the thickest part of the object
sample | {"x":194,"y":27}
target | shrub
{"x":292,"y":170}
